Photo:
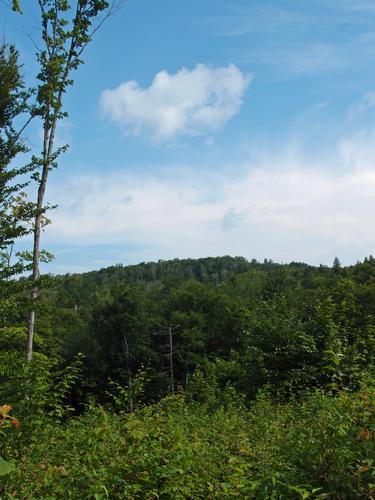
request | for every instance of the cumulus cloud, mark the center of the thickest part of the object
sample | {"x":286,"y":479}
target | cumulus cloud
{"x":192,"y":102}
{"x":293,"y":212}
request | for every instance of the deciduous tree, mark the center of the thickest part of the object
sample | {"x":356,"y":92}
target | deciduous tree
{"x":67,"y":28}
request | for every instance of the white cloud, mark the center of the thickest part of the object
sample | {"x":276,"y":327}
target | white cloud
{"x":291,"y":18}
{"x":294,"y":211}
{"x":190,"y":102}
{"x":296,"y":39}
{"x":309,"y":60}
{"x":358,"y":151}
{"x":364,"y":104}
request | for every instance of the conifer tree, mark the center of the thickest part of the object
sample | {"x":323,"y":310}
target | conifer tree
{"x":15,"y":212}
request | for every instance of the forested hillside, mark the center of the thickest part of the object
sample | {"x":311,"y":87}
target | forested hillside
{"x":292,"y":326}
{"x":266,"y":364}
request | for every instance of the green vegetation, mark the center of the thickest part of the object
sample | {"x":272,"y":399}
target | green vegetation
{"x":273,"y":370}
{"x":207,"y":378}
{"x":317,"y":447}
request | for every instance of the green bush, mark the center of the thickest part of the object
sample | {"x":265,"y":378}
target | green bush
{"x":317,"y":447}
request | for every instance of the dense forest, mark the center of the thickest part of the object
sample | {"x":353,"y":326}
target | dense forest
{"x":212,"y":377}
{"x":291,"y":326}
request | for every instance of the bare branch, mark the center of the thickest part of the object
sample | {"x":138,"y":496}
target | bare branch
{"x":114,"y":8}
{"x":32,"y":41}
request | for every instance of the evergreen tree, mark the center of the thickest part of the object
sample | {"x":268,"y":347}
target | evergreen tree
{"x":16,"y":212}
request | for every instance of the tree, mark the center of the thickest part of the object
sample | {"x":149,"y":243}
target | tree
{"x":120,"y":337}
{"x":15,"y":212}
{"x":67,"y":28}
{"x":211,"y":324}
{"x":336,"y":265}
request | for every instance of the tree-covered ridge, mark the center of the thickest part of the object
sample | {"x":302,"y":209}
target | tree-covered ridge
{"x":212,"y":270}
{"x":293,"y":326}
{"x":209,"y":269}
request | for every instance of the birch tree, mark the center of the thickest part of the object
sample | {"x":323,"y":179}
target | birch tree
{"x":67,"y":29}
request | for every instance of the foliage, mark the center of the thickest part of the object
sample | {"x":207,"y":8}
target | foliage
{"x":129,"y":397}
{"x":273,"y":365}
{"x":6,"y":421}
{"x":66,"y":29}
{"x":292,"y":327}
{"x":16,"y":212}
{"x":317,"y":447}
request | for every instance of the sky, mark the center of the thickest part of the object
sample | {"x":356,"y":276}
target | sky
{"x":215,"y":127}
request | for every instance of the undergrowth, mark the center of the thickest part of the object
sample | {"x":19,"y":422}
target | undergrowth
{"x":318,"y":446}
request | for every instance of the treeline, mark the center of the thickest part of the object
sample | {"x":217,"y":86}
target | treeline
{"x":248,"y":324}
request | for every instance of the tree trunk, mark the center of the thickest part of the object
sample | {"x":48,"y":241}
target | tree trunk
{"x":171,"y":360}
{"x":49,"y":135}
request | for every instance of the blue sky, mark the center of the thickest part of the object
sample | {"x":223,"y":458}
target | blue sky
{"x":215,"y":127}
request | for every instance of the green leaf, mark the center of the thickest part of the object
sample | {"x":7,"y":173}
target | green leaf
{"x":16,"y":6}
{"x":5,"y":467}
